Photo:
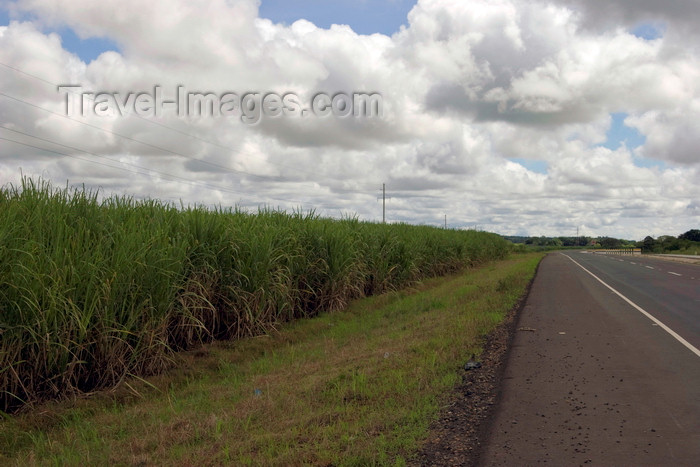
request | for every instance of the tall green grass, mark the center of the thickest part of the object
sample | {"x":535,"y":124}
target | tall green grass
{"x":92,"y":291}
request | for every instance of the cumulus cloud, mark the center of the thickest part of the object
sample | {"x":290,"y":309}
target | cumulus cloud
{"x":470,"y":89}
{"x":680,"y":14}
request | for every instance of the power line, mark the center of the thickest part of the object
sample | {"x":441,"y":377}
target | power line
{"x":141,"y":170}
{"x":153,"y":146}
{"x":165,"y":127}
{"x":175,"y":153}
{"x":189,"y":135}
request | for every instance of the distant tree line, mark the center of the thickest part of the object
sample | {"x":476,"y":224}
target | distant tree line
{"x":570,"y":242}
{"x":549,"y":241}
{"x":685,"y":243}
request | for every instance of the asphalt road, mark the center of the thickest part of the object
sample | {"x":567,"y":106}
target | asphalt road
{"x":668,"y":290}
{"x":591,"y":379}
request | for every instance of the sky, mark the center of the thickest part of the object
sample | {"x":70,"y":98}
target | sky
{"x":518,"y":117}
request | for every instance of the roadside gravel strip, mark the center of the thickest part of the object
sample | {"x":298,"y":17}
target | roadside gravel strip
{"x":590,"y":380}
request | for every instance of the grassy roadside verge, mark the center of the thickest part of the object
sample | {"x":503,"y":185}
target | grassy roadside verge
{"x":358,"y":387}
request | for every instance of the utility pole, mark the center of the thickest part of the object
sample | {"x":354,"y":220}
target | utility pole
{"x":577,"y":239}
{"x":383,"y":203}
{"x":445,"y":221}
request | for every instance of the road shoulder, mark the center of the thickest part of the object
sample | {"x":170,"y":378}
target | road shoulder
{"x":457,"y":437}
{"x":589,"y":381}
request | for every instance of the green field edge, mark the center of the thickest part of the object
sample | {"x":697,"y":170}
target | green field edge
{"x":354,"y":387}
{"x":94,"y":289}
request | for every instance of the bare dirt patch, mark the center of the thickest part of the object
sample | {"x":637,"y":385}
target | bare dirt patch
{"x":676,"y":259}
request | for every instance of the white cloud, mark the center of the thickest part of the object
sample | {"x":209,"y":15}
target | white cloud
{"x":683,"y":15}
{"x":466,"y":86}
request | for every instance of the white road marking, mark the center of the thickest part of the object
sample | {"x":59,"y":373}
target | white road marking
{"x":632,"y":262}
{"x":674,"y":273}
{"x":641,"y":310}
{"x":648,"y":267}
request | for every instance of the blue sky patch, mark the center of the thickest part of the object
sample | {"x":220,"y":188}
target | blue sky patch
{"x":649,"y":31}
{"x":5,"y":16}
{"x":620,"y":133}
{"x":86,"y":49}
{"x":364,"y":17}
{"x":539,"y":167}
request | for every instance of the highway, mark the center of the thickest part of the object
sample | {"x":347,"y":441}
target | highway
{"x":597,"y":376}
{"x":669,"y":291}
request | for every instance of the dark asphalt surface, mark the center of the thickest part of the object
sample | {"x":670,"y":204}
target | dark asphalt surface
{"x":592,"y":381}
{"x":667,"y":290}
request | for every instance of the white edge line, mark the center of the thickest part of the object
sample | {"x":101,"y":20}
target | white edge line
{"x":641,"y":310}
{"x":674,"y":273}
